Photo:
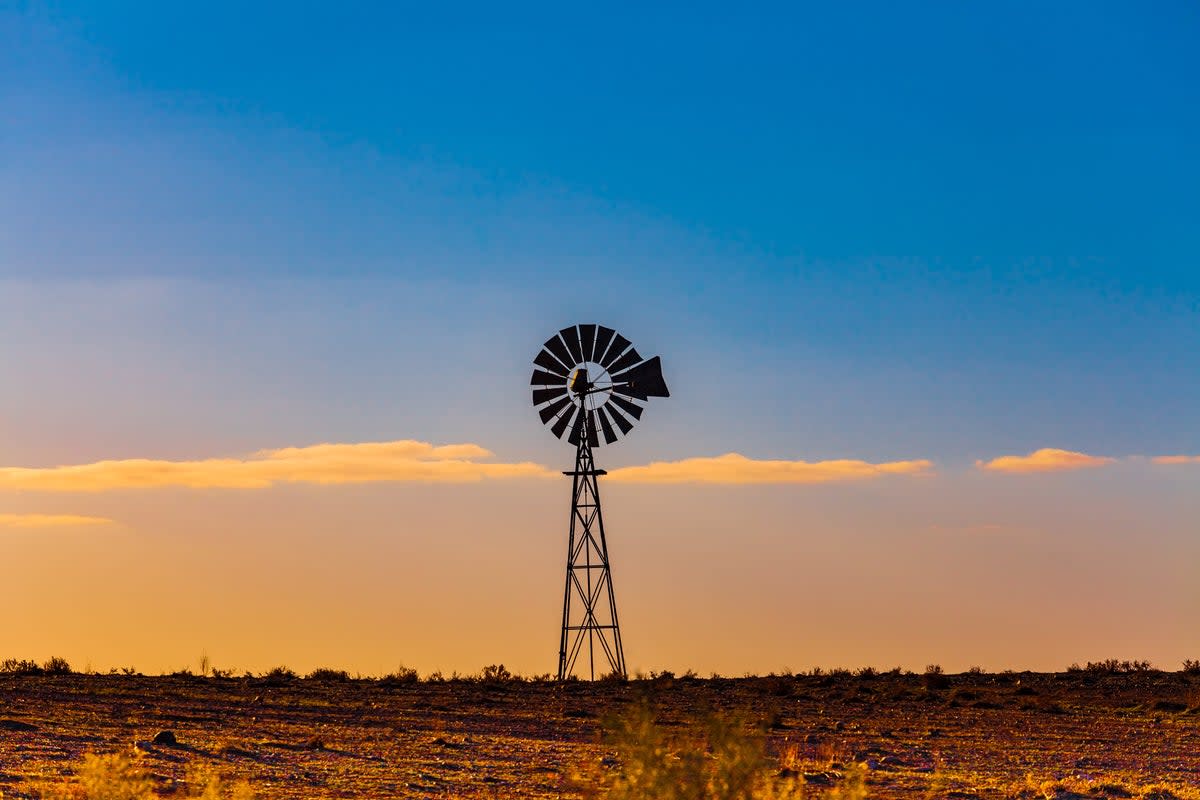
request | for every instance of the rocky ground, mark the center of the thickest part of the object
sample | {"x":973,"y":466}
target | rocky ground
{"x":1079,"y":734}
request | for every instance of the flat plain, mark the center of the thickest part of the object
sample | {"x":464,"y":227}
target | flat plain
{"x":1074,"y":734}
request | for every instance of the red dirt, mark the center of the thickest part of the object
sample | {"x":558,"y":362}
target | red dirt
{"x":979,"y":735}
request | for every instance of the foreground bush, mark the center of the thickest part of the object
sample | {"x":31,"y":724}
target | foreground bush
{"x":119,"y":777}
{"x":724,"y":760}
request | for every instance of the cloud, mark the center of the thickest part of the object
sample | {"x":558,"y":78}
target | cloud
{"x":734,"y":468}
{"x":1176,"y":459}
{"x":407,"y":460}
{"x":1048,"y":459}
{"x":403,"y":460}
{"x":50,"y":521}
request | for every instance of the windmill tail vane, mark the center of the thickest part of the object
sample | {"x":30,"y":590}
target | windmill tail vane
{"x":590,"y":383}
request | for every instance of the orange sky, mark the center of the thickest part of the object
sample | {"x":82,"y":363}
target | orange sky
{"x":366,"y":556}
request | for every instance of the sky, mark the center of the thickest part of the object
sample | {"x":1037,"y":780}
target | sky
{"x":925,"y":282}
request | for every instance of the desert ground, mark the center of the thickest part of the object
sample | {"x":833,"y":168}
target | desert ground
{"x":1099,"y":732}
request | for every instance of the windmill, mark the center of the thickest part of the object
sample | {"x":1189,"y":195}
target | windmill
{"x":589,"y":382}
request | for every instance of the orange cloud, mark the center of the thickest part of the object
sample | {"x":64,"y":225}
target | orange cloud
{"x":734,"y":468}
{"x":49,"y":520}
{"x":1176,"y":459}
{"x":1048,"y":459}
{"x":321,"y":464}
{"x":407,"y":460}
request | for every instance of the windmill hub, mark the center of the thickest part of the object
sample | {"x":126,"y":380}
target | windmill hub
{"x":591,"y":383}
{"x":590,"y":380}
{"x":580,"y":384}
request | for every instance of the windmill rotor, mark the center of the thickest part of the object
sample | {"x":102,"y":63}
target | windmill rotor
{"x":590,"y":378}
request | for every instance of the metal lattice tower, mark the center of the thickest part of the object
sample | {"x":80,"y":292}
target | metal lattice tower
{"x":592,"y":617}
{"x":591,"y":379}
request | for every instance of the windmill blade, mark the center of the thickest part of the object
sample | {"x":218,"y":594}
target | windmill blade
{"x":642,"y":381}
{"x":603,"y":339}
{"x":630,"y":408}
{"x":576,"y":430}
{"x":587,"y":338}
{"x":618,"y":346}
{"x":626,"y":361}
{"x":561,"y":426}
{"x":559,"y":350}
{"x":546,"y":395}
{"x":625,"y":425}
{"x":543,"y":378}
{"x":551,"y":411}
{"x":610,"y":435}
{"x":570,"y":337}
{"x":548,"y":362}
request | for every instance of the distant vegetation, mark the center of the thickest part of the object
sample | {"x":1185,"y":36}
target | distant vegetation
{"x":934,"y":677}
{"x":1112,"y":666}
{"x":52,"y":666}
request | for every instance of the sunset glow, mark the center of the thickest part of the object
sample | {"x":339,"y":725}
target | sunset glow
{"x":922,"y":281}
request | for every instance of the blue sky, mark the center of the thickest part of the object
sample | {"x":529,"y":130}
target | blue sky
{"x":938,"y":228}
{"x":870,"y":232}
{"x":988,"y":211}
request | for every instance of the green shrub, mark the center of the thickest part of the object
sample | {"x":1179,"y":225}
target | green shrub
{"x":327,"y":675}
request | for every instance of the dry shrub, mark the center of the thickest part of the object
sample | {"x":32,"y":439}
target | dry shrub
{"x":724,"y":760}
{"x":402,"y":676}
{"x":117,"y":776}
{"x":18,"y":666}
{"x":279,"y":676}
{"x":56,"y":665}
{"x":1112,"y":666}
{"x":497,"y":673}
{"x":934,"y":677}
{"x":111,"y":777}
